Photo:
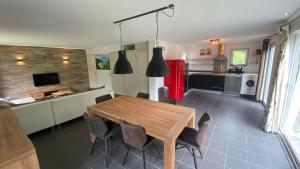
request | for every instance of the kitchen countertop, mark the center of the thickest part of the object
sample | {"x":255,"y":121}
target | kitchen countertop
{"x":214,"y":74}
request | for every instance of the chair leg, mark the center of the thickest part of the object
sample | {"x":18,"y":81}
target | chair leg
{"x":195,"y":160}
{"x":144,"y":159}
{"x":200,"y":153}
{"x":157,"y":150}
{"x":93,"y":146}
{"x":126,"y":155}
{"x":106,"y":153}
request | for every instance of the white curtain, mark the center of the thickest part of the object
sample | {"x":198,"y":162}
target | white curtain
{"x":275,"y":101}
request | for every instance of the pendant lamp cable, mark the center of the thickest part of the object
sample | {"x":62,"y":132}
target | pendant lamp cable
{"x":156,"y":37}
{"x":156,"y":19}
{"x":121,"y":40}
{"x":168,"y":14}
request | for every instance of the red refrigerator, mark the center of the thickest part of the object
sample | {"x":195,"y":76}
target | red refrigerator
{"x":175,"y":80}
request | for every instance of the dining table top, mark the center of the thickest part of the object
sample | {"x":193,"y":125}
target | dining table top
{"x":160,"y":120}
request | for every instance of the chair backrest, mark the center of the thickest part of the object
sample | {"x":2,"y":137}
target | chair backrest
{"x":170,"y":101}
{"x":96,"y":125}
{"x":134,"y":135}
{"x":203,"y":126}
{"x":142,"y":95}
{"x":103,"y":98}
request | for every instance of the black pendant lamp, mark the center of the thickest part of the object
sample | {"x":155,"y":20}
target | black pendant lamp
{"x":157,"y":66}
{"x":122,"y":65}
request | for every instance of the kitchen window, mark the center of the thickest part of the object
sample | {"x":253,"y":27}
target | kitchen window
{"x":239,"y":57}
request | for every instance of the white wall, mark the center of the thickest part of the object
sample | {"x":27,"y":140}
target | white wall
{"x":252,"y":67}
{"x":172,"y":51}
{"x":99,"y":78}
{"x":193,"y":51}
{"x":206,"y":62}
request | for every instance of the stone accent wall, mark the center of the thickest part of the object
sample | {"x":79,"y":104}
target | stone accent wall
{"x":16,"y":79}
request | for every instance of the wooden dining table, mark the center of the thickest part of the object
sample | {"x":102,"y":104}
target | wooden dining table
{"x":162,"y":121}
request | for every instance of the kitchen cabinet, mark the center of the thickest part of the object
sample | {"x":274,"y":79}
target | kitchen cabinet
{"x":233,"y":84}
{"x":206,"y":82}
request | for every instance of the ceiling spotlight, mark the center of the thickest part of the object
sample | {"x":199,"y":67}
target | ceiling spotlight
{"x":215,"y":41}
{"x":286,"y":14}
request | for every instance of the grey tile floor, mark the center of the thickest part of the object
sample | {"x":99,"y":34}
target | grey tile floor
{"x":234,"y":141}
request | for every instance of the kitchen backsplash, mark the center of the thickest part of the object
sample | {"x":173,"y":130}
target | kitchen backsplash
{"x":205,"y":63}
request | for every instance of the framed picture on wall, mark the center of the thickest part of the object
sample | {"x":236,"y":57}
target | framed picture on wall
{"x":102,"y":62}
{"x":205,"y":52}
{"x":202,"y":52}
{"x":208,"y":52}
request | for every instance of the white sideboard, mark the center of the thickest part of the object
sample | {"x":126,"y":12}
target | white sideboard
{"x":44,"y":114}
{"x":73,"y":106}
{"x":35,"y":116}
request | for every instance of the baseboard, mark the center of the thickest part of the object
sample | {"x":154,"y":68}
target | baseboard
{"x":294,"y":163}
{"x":206,"y":91}
{"x":250,"y":97}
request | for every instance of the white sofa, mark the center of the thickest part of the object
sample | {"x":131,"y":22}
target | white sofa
{"x":41,"y":115}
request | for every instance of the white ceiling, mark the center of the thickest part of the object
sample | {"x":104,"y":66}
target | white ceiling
{"x":88,"y":23}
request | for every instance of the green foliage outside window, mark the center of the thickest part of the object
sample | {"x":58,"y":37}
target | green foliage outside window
{"x":239,"y":56}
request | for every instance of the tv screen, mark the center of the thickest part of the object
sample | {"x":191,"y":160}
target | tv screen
{"x":45,"y":79}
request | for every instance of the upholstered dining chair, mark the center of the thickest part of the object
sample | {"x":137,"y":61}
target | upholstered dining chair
{"x":143,"y":95}
{"x":103,"y":98}
{"x":169,"y":100}
{"x":193,"y":139}
{"x":102,"y":130}
{"x":134,"y":136}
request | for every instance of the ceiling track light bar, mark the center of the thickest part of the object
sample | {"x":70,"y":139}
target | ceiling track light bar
{"x":171,"y":6}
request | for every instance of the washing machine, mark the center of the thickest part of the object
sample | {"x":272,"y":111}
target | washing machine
{"x":249,"y":83}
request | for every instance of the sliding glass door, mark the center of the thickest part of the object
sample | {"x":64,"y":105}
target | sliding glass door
{"x":290,"y":127}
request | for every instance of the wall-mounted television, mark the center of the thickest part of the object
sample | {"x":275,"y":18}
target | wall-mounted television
{"x":45,"y":79}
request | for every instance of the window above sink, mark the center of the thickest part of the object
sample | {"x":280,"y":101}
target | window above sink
{"x":239,"y":57}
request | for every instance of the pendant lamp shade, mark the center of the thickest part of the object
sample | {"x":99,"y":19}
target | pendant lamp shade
{"x":122,"y":65}
{"x":157,"y":66}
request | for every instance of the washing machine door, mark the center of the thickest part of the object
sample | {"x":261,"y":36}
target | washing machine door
{"x":250,"y":83}
{"x":248,"y":86}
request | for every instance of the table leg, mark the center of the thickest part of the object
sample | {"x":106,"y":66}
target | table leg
{"x":191,"y":123}
{"x":169,"y":153}
{"x":92,"y":137}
